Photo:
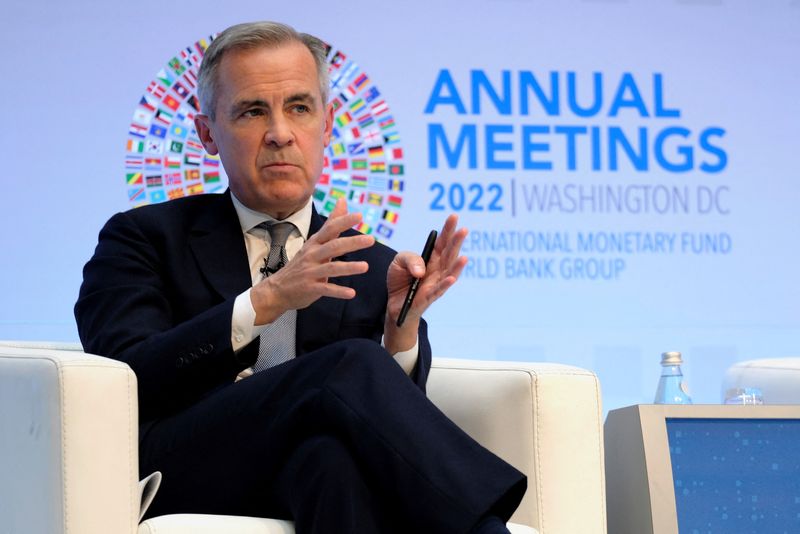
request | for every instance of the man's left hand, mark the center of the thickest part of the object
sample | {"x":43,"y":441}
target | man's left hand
{"x":441,"y":273}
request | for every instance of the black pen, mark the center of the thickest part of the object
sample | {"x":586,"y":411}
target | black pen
{"x":412,"y":291}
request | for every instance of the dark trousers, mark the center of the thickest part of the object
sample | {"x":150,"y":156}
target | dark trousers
{"x":339,"y":440}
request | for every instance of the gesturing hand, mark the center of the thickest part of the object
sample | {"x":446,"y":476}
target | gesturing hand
{"x":305,"y":278}
{"x":441,"y":273}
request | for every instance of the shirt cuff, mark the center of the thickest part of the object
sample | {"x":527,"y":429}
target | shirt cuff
{"x":243,"y":329}
{"x":407,"y":359}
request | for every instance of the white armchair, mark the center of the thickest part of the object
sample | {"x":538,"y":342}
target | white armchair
{"x":69,"y":460}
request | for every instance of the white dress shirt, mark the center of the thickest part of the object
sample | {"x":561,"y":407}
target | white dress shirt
{"x":243,"y":327}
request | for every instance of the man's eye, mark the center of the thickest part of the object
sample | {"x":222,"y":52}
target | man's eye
{"x":253,"y":113}
{"x":301,"y":108}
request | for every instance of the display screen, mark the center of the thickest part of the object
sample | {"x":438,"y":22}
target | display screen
{"x":736,"y":475}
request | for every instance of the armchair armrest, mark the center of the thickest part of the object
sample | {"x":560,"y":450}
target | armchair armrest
{"x":68,"y":441}
{"x":545,"y":420}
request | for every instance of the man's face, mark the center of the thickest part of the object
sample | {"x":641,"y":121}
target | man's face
{"x":271,"y":127}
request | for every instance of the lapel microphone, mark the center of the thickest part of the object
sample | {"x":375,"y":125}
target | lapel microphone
{"x":266,"y":271}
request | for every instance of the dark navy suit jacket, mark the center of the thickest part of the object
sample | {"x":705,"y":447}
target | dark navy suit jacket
{"x":158,"y":295}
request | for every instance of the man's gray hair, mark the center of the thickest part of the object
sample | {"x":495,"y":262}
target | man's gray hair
{"x":251,"y":35}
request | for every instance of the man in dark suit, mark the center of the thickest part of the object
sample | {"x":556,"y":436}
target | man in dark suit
{"x":195,"y":293}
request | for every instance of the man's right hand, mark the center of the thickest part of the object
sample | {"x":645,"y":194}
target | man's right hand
{"x":304,"y":279}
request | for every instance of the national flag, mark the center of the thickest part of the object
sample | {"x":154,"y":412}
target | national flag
{"x":138,"y":130}
{"x":172,"y":178}
{"x":337,"y":193}
{"x":154,"y":181}
{"x":385,"y":231}
{"x":374,"y":136}
{"x":377,"y":166}
{"x":375,"y":199}
{"x":371,"y":94}
{"x":336,"y":103}
{"x":391,"y":138}
{"x":365,"y":120}
{"x":175,"y":193}
{"x":190,"y":79}
{"x":152,"y":163}
{"x":192,"y":158}
{"x":202,"y":44}
{"x":158,"y":131}
{"x":354,"y":133}
{"x":194,"y":189}
{"x":172,"y":163}
{"x":136,"y":194}
{"x":191,"y":174}
{"x":324,"y":178}
{"x":164,"y":117}
{"x":340,"y":180}
{"x":339,"y":164}
{"x":158,"y":196}
{"x":181,"y":90}
{"x":355,"y":197}
{"x":178,"y":131}
{"x":329,"y":205}
{"x":211,"y":161}
{"x":359,"y":164}
{"x":166,"y":78}
{"x":395,"y":169}
{"x":355,"y":148}
{"x":134,"y":178}
{"x":176,"y":66}
{"x":358,"y":181}
{"x":375,"y":152}
{"x":148,"y":103}
{"x":211,"y":177}
{"x":396,"y":185}
{"x":171,"y":102}
{"x":359,"y":83}
{"x":390,"y":216}
{"x":344,"y":119}
{"x":133,"y":162}
{"x":134,"y":146}
{"x":184,"y":114}
{"x":156,"y":89}
{"x":338,"y":59}
{"x":189,"y":56}
{"x":364,"y":228}
{"x":319,"y":195}
{"x":379,"y":108}
{"x":154,"y":146}
{"x":386,"y":123}
{"x":357,"y":106}
{"x":394,"y":200}
{"x":194,"y":144}
{"x":192,"y":101}
{"x":176,"y":147}
{"x":396,"y":153}
{"x":142,"y":116}
{"x":338,"y":149}
{"x":378,"y":182}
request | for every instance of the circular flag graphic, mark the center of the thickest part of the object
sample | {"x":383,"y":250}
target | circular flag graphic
{"x":165,"y":160}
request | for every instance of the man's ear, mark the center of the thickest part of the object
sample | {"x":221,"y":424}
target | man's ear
{"x":202,"y":124}
{"x":328,"y":125}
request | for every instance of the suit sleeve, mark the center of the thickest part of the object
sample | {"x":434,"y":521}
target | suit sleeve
{"x":126,"y":310}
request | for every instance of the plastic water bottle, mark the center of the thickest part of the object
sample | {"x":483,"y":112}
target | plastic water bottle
{"x":671,"y":387}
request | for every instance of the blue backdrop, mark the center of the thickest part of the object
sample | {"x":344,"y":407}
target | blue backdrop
{"x":627,"y":169}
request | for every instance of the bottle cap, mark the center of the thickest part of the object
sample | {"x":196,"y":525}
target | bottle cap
{"x":671,"y":358}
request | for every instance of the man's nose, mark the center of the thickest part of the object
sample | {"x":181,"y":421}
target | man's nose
{"x":279,"y":131}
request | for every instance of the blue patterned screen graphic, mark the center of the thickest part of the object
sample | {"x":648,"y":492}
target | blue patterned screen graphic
{"x":736,"y":476}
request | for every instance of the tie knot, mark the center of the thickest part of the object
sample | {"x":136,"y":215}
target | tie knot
{"x":279,"y":232}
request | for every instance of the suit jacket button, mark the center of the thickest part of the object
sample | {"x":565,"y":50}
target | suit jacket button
{"x":180,"y":361}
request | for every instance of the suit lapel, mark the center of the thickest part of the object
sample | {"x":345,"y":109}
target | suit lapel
{"x":218,"y":246}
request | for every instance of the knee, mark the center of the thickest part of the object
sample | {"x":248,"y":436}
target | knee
{"x":325,"y":460}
